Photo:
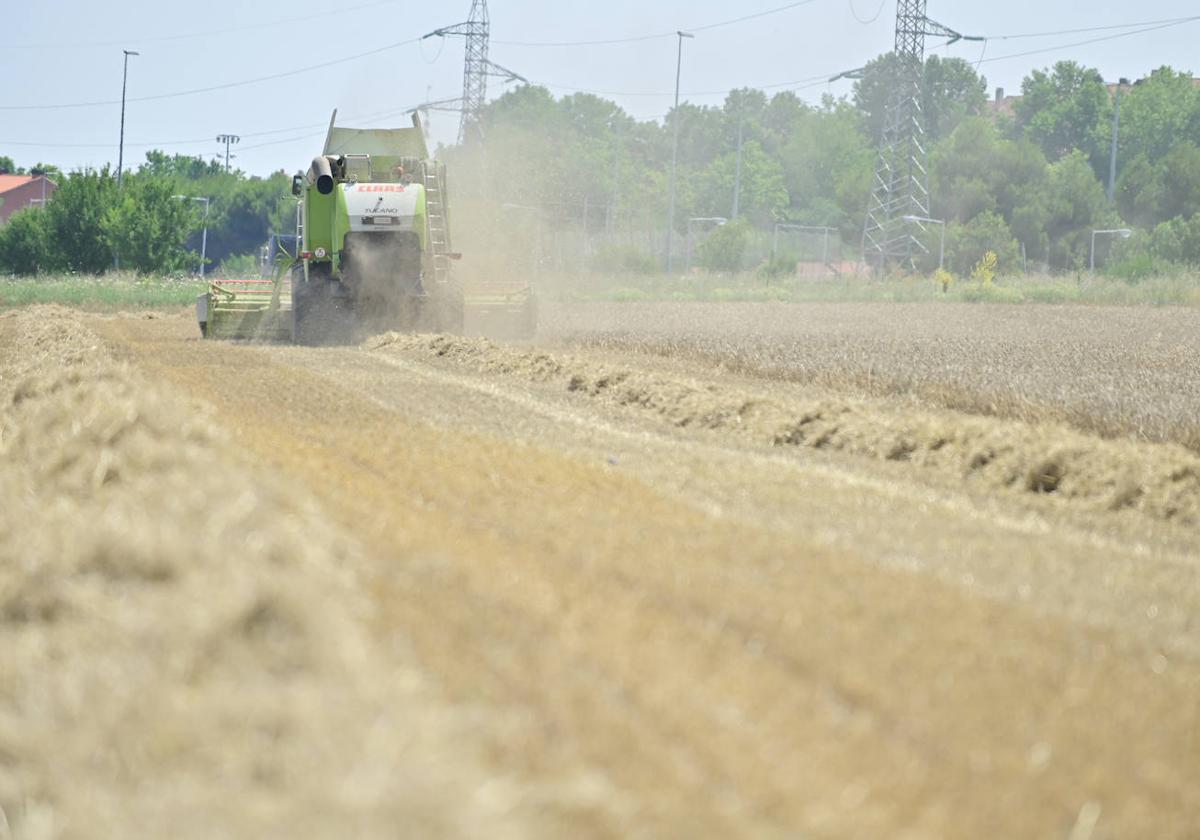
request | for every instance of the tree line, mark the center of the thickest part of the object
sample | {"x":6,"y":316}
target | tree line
{"x":1027,"y":181}
{"x":149,"y":224}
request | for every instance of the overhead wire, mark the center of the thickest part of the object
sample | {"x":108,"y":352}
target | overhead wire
{"x":867,"y":21}
{"x":133,"y":40}
{"x":212,"y":88}
{"x":1090,"y":41}
{"x":173,"y":143}
{"x":658,"y":35}
{"x":796,"y":85}
{"x":816,"y":81}
{"x":1109,"y":27}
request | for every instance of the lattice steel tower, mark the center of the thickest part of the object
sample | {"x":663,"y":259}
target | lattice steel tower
{"x":477,"y":67}
{"x":900,"y":195}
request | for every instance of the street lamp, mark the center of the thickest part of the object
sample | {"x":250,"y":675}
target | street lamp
{"x":675,"y":157}
{"x":121,"y":148}
{"x":204,"y":235}
{"x":928,"y":221}
{"x":1124,"y":233}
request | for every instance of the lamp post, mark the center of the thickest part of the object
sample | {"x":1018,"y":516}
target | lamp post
{"x":121,"y":147}
{"x":228,"y":140}
{"x":675,"y":157}
{"x":928,"y":221}
{"x":204,"y":235}
{"x":1124,"y":233}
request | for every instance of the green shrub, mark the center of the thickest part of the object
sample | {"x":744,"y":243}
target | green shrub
{"x":23,"y":243}
{"x":1135,"y":268}
{"x":725,"y":248}
{"x":967,"y":244}
{"x":1052,"y":293}
{"x":780,"y":265}
{"x":242,"y":265}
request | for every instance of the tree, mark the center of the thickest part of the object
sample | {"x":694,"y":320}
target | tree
{"x":48,"y":169}
{"x":23,"y":242}
{"x":725,"y":248}
{"x":1066,"y":109}
{"x":186,"y":167}
{"x":147,"y":227}
{"x":764,"y":198}
{"x":951,"y":91}
{"x":967,"y":243}
{"x":828,"y":163}
{"x":76,"y":238}
{"x":1157,"y":113}
{"x":7,"y":166}
{"x":1177,"y":241}
{"x":1149,"y":193}
{"x":977,"y":170}
{"x":1056,"y":219}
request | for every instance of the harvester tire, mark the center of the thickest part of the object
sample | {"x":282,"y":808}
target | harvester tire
{"x":318,"y":318}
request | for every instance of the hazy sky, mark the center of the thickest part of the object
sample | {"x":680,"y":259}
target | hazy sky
{"x":56,"y":53}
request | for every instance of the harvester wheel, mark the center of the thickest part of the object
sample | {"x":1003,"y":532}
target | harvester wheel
{"x":318,"y":316}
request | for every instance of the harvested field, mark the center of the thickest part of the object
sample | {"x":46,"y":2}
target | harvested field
{"x":678,"y":572}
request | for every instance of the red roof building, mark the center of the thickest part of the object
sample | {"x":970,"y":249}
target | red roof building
{"x":20,"y":191}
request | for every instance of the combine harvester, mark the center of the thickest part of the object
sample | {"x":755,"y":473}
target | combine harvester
{"x":373,"y":234}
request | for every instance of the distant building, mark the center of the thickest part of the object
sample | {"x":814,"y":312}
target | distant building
{"x":20,"y":191}
{"x":1003,"y":106}
{"x":1006,"y":106}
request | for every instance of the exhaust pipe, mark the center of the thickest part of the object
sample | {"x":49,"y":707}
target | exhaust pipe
{"x":321,"y":174}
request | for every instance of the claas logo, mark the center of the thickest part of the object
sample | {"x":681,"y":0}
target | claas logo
{"x":380,"y":188}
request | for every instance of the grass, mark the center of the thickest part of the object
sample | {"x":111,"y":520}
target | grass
{"x":1169,"y":290}
{"x":110,"y":292}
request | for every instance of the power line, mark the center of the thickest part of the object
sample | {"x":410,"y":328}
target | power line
{"x":1090,"y":41}
{"x":391,"y":112}
{"x":1110,"y":27}
{"x":197,"y":35}
{"x":653,"y":94}
{"x":754,"y":16}
{"x":1166,"y":24}
{"x":656,"y":36}
{"x":867,"y":21}
{"x":212,"y":88}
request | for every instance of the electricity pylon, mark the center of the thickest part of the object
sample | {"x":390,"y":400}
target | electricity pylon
{"x":477,"y":67}
{"x":899,"y":204}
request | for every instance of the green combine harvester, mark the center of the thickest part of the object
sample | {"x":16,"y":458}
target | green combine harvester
{"x":374,"y":254}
